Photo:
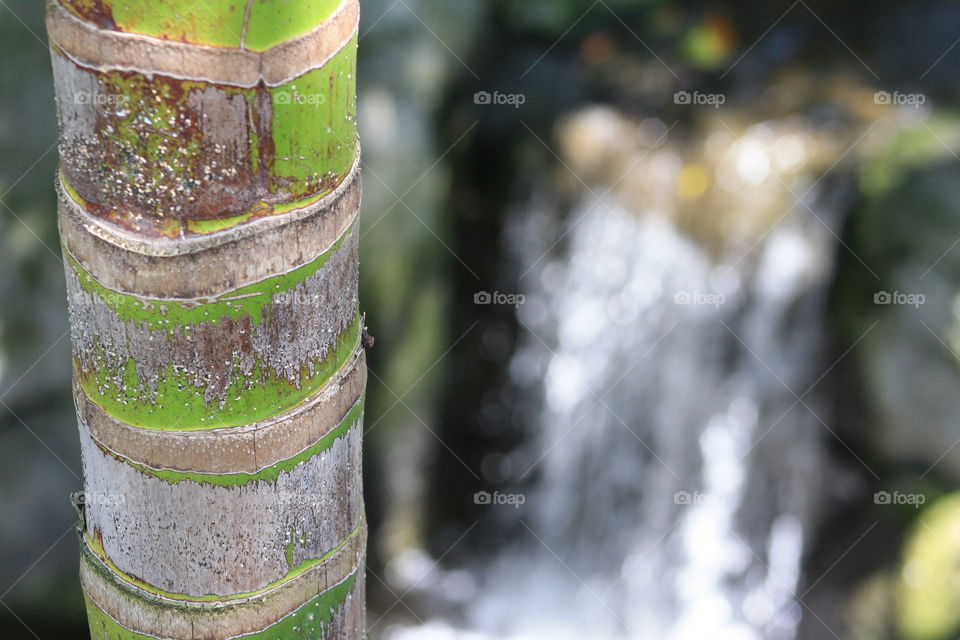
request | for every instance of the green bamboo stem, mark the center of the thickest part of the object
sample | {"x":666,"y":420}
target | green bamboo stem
{"x":208,"y":195}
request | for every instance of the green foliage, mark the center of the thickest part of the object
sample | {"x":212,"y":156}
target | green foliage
{"x":929,"y":585}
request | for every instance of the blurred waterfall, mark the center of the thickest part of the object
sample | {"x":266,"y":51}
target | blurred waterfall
{"x":678,"y":462}
{"x":671,"y":434}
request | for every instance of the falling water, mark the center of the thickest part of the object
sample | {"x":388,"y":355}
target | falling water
{"x":673,"y":475}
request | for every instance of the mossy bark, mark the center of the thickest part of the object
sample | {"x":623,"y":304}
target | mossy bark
{"x":208,"y":195}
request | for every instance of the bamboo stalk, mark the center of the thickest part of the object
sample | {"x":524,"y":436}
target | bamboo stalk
{"x":208,"y":197}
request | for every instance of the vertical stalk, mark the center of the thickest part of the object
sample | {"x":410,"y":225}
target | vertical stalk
{"x":208,"y":196}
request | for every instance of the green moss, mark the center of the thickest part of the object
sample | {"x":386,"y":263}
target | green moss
{"x":288,"y":550}
{"x":152,"y":139}
{"x":155,"y":148}
{"x":314,"y":127}
{"x":273,"y":22}
{"x":179,"y":405}
{"x":214,"y":22}
{"x":312,"y":620}
{"x":103,"y":627}
{"x":217,"y":224}
{"x":270,"y":474}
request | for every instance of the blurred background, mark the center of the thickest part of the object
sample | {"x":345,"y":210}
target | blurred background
{"x":665,"y":298}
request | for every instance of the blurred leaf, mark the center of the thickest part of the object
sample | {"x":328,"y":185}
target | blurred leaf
{"x":708,"y":45}
{"x":930,"y":577}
